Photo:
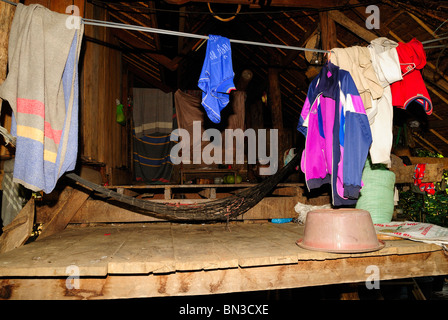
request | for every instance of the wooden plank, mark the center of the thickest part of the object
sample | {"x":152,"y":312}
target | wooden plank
{"x":19,"y":230}
{"x":302,"y":274}
{"x":164,"y":247}
{"x":271,"y":247}
{"x":51,"y":256}
{"x":405,"y":174}
{"x":442,"y":161}
{"x":63,"y":216}
{"x":274,"y":207}
{"x":145,"y":252}
{"x":97,"y":211}
{"x":198,"y":248}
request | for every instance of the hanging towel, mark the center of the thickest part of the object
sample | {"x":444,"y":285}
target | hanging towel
{"x":152,"y":162}
{"x":42,"y":90}
{"x":216,"y":79}
{"x":152,"y":111}
{"x":412,"y":58}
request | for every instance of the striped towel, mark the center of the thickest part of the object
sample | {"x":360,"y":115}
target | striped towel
{"x":42,"y":89}
{"x":152,"y":161}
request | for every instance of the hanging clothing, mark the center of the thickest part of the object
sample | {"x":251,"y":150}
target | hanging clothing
{"x":152,"y":163}
{"x":356,"y":60}
{"x":411,"y":88}
{"x":152,"y":111}
{"x":216,"y":79}
{"x":42,"y":90}
{"x":385,"y":62}
{"x":153,"y":123}
{"x":338,"y":137}
{"x":189,"y":110}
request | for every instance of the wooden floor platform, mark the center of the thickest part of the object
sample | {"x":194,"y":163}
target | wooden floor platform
{"x":166,"y":259}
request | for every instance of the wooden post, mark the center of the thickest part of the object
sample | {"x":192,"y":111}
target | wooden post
{"x":246,"y":77}
{"x":275,"y":94}
{"x":6,"y":15}
{"x":275,"y":102}
{"x":328,"y":31}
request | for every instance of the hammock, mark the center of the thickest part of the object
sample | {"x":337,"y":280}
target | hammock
{"x":219,"y":209}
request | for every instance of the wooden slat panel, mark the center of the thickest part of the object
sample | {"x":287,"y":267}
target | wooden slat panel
{"x":102,"y":136}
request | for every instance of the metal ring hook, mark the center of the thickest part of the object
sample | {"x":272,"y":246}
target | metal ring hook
{"x":224,"y":19}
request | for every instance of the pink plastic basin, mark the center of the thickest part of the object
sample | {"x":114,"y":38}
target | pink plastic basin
{"x":340,"y":230}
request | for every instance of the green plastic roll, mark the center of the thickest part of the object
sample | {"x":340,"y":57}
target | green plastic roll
{"x":377,"y":194}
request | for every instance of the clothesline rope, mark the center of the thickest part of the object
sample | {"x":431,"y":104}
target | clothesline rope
{"x":181,"y":34}
{"x":190,"y":35}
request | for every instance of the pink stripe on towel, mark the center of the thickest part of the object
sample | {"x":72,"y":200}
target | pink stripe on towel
{"x":30,"y":106}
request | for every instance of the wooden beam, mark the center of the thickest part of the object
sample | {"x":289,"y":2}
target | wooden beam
{"x":63,"y":216}
{"x":438,"y":135}
{"x":436,"y":124}
{"x":351,"y":25}
{"x":58,"y":5}
{"x":19,"y":230}
{"x":135,"y":43}
{"x":142,"y":75}
{"x":405,"y":174}
{"x":274,"y":3}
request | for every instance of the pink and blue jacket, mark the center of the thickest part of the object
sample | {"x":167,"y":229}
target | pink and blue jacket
{"x":338,"y":137}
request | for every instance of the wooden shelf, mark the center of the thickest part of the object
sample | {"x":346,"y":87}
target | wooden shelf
{"x":198,"y":172}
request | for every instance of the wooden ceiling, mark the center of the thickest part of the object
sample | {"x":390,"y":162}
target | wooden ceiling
{"x":170,"y":62}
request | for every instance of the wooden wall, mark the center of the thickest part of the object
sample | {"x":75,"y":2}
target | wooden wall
{"x":103,"y":140}
{"x":6,"y":16}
